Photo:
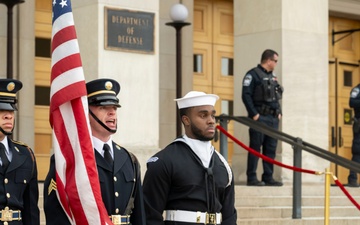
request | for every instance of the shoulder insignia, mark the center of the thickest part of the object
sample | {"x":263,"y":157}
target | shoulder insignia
{"x":247,"y":80}
{"x":354,"y":92}
{"x":153,"y":159}
{"x":52,"y":186}
{"x":133,"y":157}
{"x":20,"y":143}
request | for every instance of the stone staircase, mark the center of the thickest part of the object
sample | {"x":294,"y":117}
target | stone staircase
{"x":273,"y":205}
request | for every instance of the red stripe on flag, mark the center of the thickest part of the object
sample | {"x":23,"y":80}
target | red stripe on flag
{"x":74,"y":146}
{"x":68,"y":153}
{"x":62,"y":36}
{"x":66,"y":94}
{"x":61,"y":191}
{"x":65,"y":64}
{"x":88,"y":156}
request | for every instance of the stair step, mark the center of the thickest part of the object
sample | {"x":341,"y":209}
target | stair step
{"x":267,"y":201}
{"x":286,"y":212}
{"x":304,"y":221}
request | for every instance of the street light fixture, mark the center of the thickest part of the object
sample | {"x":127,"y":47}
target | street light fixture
{"x":9,"y":65}
{"x":178,"y":14}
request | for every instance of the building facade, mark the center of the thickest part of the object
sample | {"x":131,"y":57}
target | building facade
{"x":225,"y":39}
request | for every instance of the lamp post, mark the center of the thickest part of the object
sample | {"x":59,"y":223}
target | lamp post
{"x":178,"y":14}
{"x":9,"y":64}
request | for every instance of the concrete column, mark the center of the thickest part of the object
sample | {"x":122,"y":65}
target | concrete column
{"x":24,"y":63}
{"x":298,"y":31}
{"x":137,"y":73}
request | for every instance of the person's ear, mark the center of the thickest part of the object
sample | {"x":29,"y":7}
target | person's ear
{"x":186,"y":120}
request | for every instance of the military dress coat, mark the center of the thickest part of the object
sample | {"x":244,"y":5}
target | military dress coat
{"x":116,"y":188}
{"x":177,"y":180}
{"x":19,"y":185}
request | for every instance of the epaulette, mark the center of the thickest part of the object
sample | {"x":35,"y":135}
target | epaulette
{"x":30,"y":151}
{"x":20,"y":143}
{"x":133,"y":158}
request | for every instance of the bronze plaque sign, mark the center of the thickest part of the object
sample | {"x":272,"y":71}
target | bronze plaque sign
{"x":129,"y":30}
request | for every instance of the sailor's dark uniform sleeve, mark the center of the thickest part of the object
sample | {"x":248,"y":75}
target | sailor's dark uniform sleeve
{"x":156,"y":188}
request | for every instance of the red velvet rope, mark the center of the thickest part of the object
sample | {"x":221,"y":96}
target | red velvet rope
{"x":347,"y":193}
{"x":252,"y":151}
{"x":270,"y":160}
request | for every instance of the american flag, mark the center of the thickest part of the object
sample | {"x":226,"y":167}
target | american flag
{"x":78,"y":187}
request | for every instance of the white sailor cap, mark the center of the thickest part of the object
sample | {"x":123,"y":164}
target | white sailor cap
{"x":196,"y":98}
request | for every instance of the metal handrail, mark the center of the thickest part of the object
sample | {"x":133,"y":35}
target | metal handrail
{"x":298,"y":145}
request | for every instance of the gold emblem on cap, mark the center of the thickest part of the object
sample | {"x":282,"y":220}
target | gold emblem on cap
{"x":10,"y":86}
{"x":108,"y":85}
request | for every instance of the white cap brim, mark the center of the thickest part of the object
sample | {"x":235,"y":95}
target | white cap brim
{"x":196,"y":98}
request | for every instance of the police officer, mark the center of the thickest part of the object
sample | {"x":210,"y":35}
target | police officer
{"x":118,"y":169}
{"x":261,"y":94}
{"x":354,"y":103}
{"x":19,"y":192}
{"x":189,"y":182}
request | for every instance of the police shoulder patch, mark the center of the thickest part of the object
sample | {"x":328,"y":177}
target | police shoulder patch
{"x":153,"y":159}
{"x":247,"y":80}
{"x":354,"y":92}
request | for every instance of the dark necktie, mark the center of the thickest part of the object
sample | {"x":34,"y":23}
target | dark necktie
{"x":4,"y":159}
{"x":107,"y":155}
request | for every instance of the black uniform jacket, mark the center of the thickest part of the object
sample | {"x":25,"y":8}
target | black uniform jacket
{"x":354,"y":101}
{"x":175,"y":180}
{"x":19,"y":184}
{"x":250,"y":82}
{"x":116,"y":188}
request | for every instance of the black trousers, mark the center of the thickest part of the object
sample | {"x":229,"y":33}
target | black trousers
{"x":355,"y":150}
{"x":266,"y":144}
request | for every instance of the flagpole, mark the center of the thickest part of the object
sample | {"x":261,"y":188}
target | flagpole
{"x":9,"y":56}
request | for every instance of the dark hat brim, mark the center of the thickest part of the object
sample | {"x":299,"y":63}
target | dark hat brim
{"x":106,"y":103}
{"x":7,"y":106}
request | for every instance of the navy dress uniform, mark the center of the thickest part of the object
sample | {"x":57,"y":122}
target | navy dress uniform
{"x":18,"y":173}
{"x":188,"y":181}
{"x":120,"y":182}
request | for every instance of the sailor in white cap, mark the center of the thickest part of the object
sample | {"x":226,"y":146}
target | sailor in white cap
{"x":189,"y":180}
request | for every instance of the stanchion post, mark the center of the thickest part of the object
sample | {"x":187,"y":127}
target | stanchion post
{"x":327,"y":196}
{"x":297,"y":181}
{"x":223,"y":139}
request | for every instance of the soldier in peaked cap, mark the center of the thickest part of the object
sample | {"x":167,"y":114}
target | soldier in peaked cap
{"x":207,"y":195}
{"x":118,"y":169}
{"x":18,"y":173}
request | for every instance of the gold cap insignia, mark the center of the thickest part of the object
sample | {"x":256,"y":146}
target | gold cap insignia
{"x":10,"y":86}
{"x":108,"y":85}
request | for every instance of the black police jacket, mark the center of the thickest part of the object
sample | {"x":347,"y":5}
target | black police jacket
{"x":116,"y":188}
{"x":250,"y":83}
{"x":354,"y":101}
{"x":19,"y":184}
